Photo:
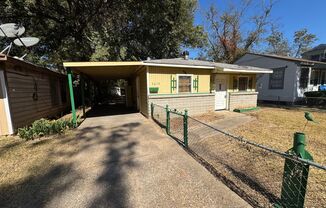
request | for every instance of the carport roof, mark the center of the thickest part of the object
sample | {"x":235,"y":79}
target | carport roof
{"x":125,"y":69}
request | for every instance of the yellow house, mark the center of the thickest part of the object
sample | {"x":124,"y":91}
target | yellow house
{"x":181,"y":83}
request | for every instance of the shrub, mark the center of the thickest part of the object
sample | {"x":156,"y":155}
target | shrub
{"x":316,"y":98}
{"x":25,"y":133}
{"x":315,"y":94}
{"x":43,"y":127}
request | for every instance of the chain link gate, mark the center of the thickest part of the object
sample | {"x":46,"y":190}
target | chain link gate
{"x":175,"y":122}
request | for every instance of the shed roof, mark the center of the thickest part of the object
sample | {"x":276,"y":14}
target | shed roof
{"x":28,"y":65}
{"x":288,"y":58}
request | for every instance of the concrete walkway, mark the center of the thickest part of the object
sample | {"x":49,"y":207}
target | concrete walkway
{"x":126,"y":161}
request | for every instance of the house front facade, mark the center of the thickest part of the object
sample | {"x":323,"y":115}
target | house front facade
{"x":198,"y":86}
{"x":291,"y":77}
{"x":202,"y":86}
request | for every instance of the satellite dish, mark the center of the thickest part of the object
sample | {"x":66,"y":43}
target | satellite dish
{"x":11,"y":30}
{"x":27,"y":41}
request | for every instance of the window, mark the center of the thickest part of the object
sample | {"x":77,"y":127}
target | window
{"x":315,"y":57}
{"x":243,"y":83}
{"x":184,"y":83}
{"x":316,"y":77}
{"x":323,"y":78}
{"x":276,"y":79}
{"x":304,"y":76}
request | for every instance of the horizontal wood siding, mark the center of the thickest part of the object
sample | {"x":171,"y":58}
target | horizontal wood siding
{"x":31,"y":94}
{"x":161,"y":77}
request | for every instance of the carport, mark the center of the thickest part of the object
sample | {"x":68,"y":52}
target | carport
{"x":93,"y":72}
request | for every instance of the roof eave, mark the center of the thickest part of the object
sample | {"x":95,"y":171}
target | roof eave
{"x":103,"y":64}
{"x":227,"y":70}
{"x":180,"y":66}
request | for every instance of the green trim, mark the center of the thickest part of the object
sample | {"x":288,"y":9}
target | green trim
{"x":167,"y":120}
{"x":194,"y":84}
{"x":72,"y":99}
{"x":197,"y":83}
{"x":185,"y":128}
{"x":245,"y":109}
{"x":171,"y":85}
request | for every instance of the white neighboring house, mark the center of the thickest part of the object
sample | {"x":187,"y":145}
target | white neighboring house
{"x":291,"y":77}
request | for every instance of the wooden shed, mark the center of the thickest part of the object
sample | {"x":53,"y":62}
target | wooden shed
{"x":29,"y":92}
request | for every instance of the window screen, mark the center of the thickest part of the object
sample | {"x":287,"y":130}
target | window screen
{"x":243,"y":83}
{"x":304,"y":76}
{"x":276,"y":79}
{"x":316,"y":77}
{"x":184,"y":84}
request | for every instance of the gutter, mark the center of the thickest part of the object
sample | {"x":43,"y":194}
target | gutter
{"x":179,"y":65}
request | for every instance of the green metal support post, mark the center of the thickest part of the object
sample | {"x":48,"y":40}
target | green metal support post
{"x":82,"y":85}
{"x":72,"y":99}
{"x":167,"y":120}
{"x":185,"y":128}
{"x":295,"y":176}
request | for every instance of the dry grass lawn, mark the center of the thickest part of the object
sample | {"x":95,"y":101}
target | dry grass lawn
{"x":24,"y":165}
{"x":255,"y":174}
{"x":274,"y":127}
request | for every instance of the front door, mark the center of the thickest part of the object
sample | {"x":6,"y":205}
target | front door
{"x":220,"y":92}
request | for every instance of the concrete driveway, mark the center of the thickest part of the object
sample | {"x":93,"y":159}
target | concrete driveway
{"x":127,"y":161}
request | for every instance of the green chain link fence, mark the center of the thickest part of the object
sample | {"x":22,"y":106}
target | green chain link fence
{"x":263,"y":176}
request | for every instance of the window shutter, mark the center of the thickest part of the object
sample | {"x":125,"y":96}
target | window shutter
{"x":195,"y":83}
{"x":173,"y":84}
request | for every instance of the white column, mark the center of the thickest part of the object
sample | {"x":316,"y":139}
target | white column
{"x":309,"y":77}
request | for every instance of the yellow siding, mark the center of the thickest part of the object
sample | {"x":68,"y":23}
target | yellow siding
{"x":161,"y":77}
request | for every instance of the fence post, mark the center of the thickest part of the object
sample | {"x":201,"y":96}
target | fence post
{"x":152,"y":110}
{"x":185,"y":128}
{"x":295,"y":175}
{"x":167,"y":120}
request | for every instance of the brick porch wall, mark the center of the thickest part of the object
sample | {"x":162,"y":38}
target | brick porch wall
{"x":194,"y":103}
{"x":242,"y":100}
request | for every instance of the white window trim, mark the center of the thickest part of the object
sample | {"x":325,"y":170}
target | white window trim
{"x":188,"y":75}
{"x":247,"y":84}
